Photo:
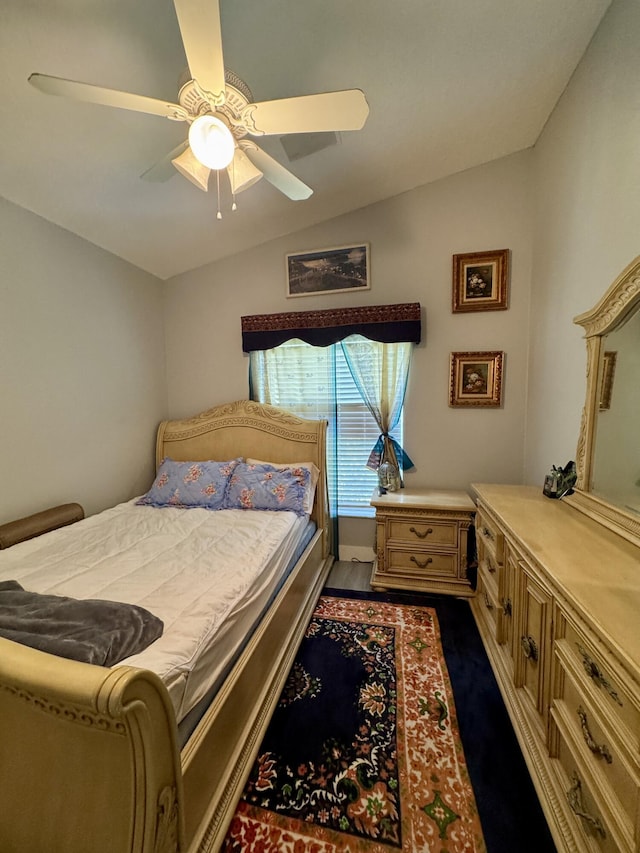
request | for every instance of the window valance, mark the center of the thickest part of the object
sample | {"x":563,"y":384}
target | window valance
{"x":384,"y":323}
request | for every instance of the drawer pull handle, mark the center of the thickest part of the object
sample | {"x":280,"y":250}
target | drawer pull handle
{"x":529,"y":648}
{"x":419,"y":564}
{"x":574,"y":797}
{"x":594,"y":672}
{"x":420,"y":534}
{"x":506,"y":607}
{"x":602,"y":751}
{"x":487,"y":602}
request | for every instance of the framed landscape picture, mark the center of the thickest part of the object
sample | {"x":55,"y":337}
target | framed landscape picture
{"x":328,"y":270}
{"x":480,"y":281}
{"x":475,"y":379}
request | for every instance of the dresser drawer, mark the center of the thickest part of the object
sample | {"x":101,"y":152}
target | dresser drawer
{"x":423,"y":533}
{"x":489,"y":535}
{"x":489,"y":579}
{"x":600,"y":831}
{"x":418,"y":562}
{"x":606,"y":686}
{"x":487,"y":603}
{"x":489,"y":562}
{"x":607,"y":759}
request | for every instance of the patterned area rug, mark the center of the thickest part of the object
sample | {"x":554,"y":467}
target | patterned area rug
{"x":363,"y":752}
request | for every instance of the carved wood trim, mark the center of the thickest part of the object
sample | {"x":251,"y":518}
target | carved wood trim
{"x":611,"y":311}
{"x":67,"y":712}
{"x":398,"y":513}
{"x":166,"y":840}
{"x":241,"y":413}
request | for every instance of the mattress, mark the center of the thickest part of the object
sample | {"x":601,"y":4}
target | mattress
{"x":207,"y":575}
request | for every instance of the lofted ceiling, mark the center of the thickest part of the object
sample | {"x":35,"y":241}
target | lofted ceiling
{"x":450,"y":84}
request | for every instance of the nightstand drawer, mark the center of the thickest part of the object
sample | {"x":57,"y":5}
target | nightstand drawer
{"x":421,"y":541}
{"x":423,"y":533}
{"x":421,"y":562}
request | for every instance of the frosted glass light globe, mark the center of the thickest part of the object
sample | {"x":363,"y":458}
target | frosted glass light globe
{"x":212,"y":142}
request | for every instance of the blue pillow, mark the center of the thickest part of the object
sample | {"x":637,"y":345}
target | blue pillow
{"x":265,"y":487}
{"x":189,"y":484}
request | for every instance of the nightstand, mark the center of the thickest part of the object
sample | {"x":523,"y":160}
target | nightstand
{"x":421,"y":541}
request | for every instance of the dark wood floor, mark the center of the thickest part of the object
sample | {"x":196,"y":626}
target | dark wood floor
{"x":352,"y":574}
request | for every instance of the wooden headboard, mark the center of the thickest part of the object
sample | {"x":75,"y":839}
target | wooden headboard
{"x":252,"y":430}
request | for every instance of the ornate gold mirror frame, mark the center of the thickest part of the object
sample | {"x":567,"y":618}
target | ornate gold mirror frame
{"x":622,"y":298}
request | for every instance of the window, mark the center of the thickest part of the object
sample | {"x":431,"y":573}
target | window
{"x":315,"y":382}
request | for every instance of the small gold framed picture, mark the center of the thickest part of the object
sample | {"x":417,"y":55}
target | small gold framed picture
{"x":475,"y":379}
{"x":480,"y":281}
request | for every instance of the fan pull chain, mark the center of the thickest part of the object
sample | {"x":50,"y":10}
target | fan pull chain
{"x":218,"y":214}
{"x":234,"y":206}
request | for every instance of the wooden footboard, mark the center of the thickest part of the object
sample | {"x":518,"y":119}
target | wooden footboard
{"x":88,"y":758}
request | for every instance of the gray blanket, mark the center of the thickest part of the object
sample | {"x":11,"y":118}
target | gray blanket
{"x":90,"y":630}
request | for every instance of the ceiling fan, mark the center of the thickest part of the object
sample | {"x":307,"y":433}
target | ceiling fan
{"x":220,"y":111}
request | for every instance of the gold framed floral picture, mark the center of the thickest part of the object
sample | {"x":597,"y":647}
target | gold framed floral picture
{"x":475,"y":379}
{"x":480,"y":281}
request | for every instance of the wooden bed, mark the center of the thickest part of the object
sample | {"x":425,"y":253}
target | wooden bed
{"x":89,"y":756}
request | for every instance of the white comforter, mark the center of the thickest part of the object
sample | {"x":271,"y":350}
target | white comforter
{"x":206,"y":574}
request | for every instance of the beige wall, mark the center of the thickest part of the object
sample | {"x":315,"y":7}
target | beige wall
{"x":81,"y":342}
{"x":570,"y":212}
{"x":82,"y":379}
{"x":412,"y":238}
{"x":587,"y":226}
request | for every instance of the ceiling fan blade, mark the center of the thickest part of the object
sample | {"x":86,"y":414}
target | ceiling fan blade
{"x":106,"y":97}
{"x":276,"y":174}
{"x":346,"y":110}
{"x":164,"y":168}
{"x":199,"y":22}
{"x":242,"y":173}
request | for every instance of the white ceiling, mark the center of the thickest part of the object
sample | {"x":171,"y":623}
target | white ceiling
{"x":450,"y":84}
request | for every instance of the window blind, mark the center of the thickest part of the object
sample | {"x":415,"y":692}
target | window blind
{"x":306,"y":387}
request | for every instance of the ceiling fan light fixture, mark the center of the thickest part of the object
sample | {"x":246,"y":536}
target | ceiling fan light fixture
{"x":212,"y":142}
{"x":242,"y":173}
{"x":192,"y":169}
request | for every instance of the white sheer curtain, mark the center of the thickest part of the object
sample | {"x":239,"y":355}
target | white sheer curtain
{"x":295,"y":376}
{"x":301,"y":378}
{"x":381,"y":372}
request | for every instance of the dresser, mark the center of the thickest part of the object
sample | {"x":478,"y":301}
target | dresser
{"x":421,"y":541}
{"x":558,"y":609}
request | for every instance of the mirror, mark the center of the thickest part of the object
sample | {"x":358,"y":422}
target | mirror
{"x":615,"y":471}
{"x":608,"y":455}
